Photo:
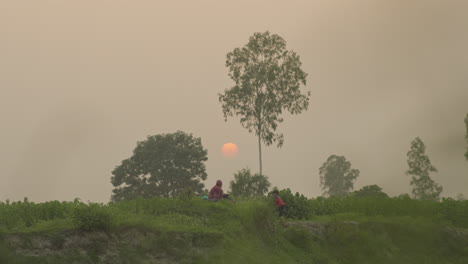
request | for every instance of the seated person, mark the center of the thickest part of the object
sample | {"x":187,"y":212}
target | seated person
{"x":216,"y":193}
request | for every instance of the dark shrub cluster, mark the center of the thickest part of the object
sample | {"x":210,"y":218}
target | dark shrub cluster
{"x":92,"y":217}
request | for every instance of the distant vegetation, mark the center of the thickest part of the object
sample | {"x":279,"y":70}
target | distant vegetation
{"x":466,"y":136}
{"x":336,"y":176}
{"x":420,"y":167}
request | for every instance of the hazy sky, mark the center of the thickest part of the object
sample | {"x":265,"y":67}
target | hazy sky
{"x":82,"y":81}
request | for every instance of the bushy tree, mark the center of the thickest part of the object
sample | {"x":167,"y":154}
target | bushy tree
{"x":336,"y":176}
{"x":247,"y":185}
{"x":161,"y":165}
{"x":370,"y":191}
{"x":297,"y":205}
{"x":420,"y":167}
{"x":267,"y":80}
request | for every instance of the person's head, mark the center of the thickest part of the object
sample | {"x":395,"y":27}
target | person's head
{"x":219,"y":183}
{"x":275,"y":192}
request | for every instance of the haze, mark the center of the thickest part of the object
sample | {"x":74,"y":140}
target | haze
{"x":82,"y":81}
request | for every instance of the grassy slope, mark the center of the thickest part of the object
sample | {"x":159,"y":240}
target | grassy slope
{"x":195,"y":231}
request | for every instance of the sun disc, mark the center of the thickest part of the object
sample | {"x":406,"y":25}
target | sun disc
{"x":229,"y":150}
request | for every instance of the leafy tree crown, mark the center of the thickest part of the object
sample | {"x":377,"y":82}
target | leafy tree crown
{"x":336,"y":176}
{"x":161,"y":165}
{"x":267,"y":80}
{"x":247,"y":185}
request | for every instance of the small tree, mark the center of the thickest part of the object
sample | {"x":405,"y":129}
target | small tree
{"x":162,"y":165}
{"x":336,"y":176}
{"x":420,"y":167}
{"x":267,"y":80}
{"x":466,"y":136}
{"x":247,"y":185}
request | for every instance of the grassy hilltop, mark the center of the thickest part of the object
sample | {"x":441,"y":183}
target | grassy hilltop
{"x":192,"y":230}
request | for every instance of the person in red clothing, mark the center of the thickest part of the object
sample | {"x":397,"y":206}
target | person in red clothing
{"x":279,"y":203}
{"x":216,"y":193}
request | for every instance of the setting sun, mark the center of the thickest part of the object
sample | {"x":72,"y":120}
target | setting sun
{"x":229,"y":150}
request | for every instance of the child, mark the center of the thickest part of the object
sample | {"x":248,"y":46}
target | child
{"x":280,"y":204}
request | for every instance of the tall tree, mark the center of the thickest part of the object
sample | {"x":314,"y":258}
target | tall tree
{"x":161,"y":165}
{"x":336,"y":176}
{"x":420,"y":167}
{"x":466,"y":136}
{"x":247,"y":185}
{"x":267,"y":78}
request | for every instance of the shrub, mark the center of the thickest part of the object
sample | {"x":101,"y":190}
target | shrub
{"x":92,"y":217}
{"x":297,"y":205}
{"x":370,"y":191}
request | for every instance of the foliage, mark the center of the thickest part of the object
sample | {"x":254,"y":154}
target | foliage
{"x":370,"y":191}
{"x":297,"y":205}
{"x":267,"y":80}
{"x":420,"y":166}
{"x":466,"y":136}
{"x":247,"y":185}
{"x":384,"y":230}
{"x":162,"y":165}
{"x":336,"y":176}
{"x":17,"y":215}
{"x":91,"y":217}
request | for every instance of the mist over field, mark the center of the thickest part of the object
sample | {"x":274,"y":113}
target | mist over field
{"x":81,"y":82}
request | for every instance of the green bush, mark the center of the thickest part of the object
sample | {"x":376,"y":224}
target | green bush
{"x":297,"y":205}
{"x":370,"y":191}
{"x":92,"y":217}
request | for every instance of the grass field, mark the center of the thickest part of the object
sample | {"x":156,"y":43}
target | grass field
{"x":192,"y":230}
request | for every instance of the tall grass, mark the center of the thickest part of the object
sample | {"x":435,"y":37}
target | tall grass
{"x":447,"y":211}
{"x":198,"y":213}
{"x":249,"y":231}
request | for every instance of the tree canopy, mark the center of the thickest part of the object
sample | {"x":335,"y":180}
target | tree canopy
{"x":247,"y":185}
{"x":161,"y":165}
{"x":267,"y":80}
{"x":370,"y":191}
{"x":420,"y":167}
{"x":336,"y":176}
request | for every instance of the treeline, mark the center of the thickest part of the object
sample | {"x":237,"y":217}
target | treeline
{"x":170,"y":164}
{"x":267,"y":83}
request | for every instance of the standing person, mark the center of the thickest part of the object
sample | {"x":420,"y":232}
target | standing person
{"x":280,"y":204}
{"x":216,"y":193}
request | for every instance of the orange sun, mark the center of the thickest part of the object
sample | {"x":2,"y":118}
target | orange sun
{"x":229,"y":150}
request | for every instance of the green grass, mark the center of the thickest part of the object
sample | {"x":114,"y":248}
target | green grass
{"x":197,"y":231}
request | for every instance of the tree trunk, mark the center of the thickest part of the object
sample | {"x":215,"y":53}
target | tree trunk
{"x":260,"y":153}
